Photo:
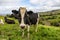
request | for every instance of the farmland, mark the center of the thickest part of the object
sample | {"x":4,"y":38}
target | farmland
{"x":51,"y":18}
{"x":45,"y":31}
{"x":13,"y":32}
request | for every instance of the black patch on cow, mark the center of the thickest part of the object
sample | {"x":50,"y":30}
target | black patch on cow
{"x":29,"y":18}
{"x":33,"y":18}
{"x":9,"y":21}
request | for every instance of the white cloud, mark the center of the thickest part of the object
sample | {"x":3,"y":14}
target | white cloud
{"x":7,"y":5}
{"x":35,"y":1}
{"x":7,"y":9}
{"x":9,"y":2}
{"x":36,"y":5}
{"x":45,"y":5}
{"x":45,"y":2}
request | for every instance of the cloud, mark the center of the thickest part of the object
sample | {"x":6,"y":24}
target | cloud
{"x":45,"y":2}
{"x":36,"y":5}
{"x":9,"y":2}
{"x":7,"y":5}
{"x":45,"y":5}
{"x":7,"y":10}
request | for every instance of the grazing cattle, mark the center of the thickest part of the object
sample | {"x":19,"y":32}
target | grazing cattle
{"x":9,"y":21}
{"x":1,"y":21}
{"x":27,"y":18}
{"x":14,"y":14}
{"x":15,"y":11}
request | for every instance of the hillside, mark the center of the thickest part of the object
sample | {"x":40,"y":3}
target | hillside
{"x":51,"y":18}
{"x":14,"y":32}
{"x":50,"y":12}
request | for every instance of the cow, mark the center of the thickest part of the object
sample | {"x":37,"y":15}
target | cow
{"x":9,"y":21}
{"x":1,"y":21}
{"x":27,"y":18}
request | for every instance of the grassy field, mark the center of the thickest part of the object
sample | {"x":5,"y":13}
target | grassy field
{"x":14,"y":32}
{"x":51,"y":18}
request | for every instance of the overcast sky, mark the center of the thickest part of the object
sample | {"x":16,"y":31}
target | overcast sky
{"x":36,"y":5}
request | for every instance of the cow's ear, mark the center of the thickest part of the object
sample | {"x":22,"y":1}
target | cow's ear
{"x":14,"y":11}
{"x":29,"y":12}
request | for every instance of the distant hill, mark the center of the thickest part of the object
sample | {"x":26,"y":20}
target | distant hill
{"x":50,"y":12}
{"x":51,"y":18}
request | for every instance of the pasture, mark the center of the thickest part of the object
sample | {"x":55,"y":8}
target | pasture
{"x":14,"y":32}
{"x":51,"y":18}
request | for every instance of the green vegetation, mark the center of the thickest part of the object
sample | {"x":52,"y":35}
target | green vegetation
{"x":51,"y":17}
{"x":14,"y":32}
{"x":50,"y":32}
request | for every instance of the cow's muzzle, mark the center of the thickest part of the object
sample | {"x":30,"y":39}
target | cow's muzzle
{"x":22,"y":26}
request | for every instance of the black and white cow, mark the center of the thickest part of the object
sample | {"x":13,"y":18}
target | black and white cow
{"x":27,"y":18}
{"x":9,"y":21}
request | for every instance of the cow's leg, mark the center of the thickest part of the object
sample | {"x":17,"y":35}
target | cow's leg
{"x":37,"y":23}
{"x":36,"y":26}
{"x":28,"y":31}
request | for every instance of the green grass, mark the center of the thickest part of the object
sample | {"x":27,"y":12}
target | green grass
{"x":14,"y":32}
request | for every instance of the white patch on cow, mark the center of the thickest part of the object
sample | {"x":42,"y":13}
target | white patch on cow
{"x":22,"y":12}
{"x":37,"y":23}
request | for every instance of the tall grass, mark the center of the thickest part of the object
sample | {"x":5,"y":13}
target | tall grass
{"x":14,"y":32}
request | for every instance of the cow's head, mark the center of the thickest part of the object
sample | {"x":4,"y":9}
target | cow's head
{"x":22,"y":12}
{"x":15,"y":11}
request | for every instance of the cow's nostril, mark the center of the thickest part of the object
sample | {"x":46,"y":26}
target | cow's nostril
{"x":22,"y":27}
